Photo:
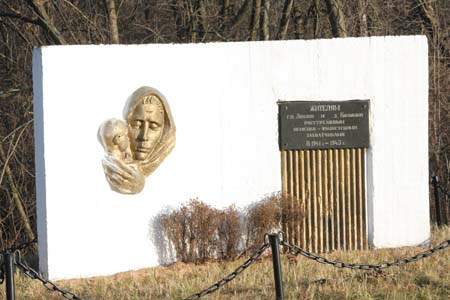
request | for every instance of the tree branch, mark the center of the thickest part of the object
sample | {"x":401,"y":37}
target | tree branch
{"x":15,"y":191}
{"x":241,"y":13}
{"x":21,"y":18}
{"x":47,"y":24}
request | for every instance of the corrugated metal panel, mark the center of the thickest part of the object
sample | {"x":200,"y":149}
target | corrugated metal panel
{"x":325,"y":198}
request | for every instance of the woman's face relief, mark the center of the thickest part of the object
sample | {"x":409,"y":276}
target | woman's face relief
{"x":144,"y":139}
{"x":146,"y":125}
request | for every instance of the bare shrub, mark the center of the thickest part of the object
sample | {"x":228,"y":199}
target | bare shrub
{"x":199,"y":232}
{"x":262,"y":217}
{"x":292,"y":212}
{"x":229,"y":233}
{"x":174,"y":225}
{"x":202,"y":230}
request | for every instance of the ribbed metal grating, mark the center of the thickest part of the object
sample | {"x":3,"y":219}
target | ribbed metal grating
{"x":325,"y":198}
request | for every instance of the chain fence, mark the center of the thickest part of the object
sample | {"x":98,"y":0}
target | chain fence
{"x":295,"y":250}
{"x":15,"y":253}
{"x":33,"y":274}
{"x":231,"y":276}
{"x":51,"y":286}
{"x":19,"y":247}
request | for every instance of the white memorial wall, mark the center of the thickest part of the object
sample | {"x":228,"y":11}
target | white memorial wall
{"x":223,"y":100}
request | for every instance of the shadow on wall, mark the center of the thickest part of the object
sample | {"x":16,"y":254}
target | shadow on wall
{"x":164,"y":248}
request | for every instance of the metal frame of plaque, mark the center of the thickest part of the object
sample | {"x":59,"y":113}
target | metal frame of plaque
{"x":323,"y":124}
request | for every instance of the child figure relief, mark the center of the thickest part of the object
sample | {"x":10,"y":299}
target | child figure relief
{"x":134,"y":148}
{"x":113,"y":135}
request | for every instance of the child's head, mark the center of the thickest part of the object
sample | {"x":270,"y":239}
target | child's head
{"x":113,"y":135}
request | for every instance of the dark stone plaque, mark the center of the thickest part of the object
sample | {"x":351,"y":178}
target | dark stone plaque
{"x":323,"y":124}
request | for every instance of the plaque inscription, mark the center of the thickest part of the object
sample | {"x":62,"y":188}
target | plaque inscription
{"x":323,"y":124}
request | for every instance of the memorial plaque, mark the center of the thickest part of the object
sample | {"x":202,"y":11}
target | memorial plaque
{"x":323,"y":124}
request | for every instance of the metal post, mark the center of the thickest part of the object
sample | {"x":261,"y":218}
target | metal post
{"x":9,"y":274}
{"x":275,"y":246}
{"x":435,"y":182}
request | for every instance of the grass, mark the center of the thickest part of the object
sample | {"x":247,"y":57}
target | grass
{"x":303,"y":279}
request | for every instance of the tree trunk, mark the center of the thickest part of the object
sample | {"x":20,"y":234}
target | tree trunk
{"x":428,"y":13}
{"x":432,"y":26}
{"x":439,"y":49}
{"x":192,"y":21}
{"x":284,"y":23}
{"x":225,"y":10}
{"x":254,"y":25}
{"x":297,"y":19}
{"x":201,"y":19}
{"x":39,"y":9}
{"x":241,"y":14}
{"x":16,"y":196}
{"x":313,"y":30}
{"x":180,"y":27}
{"x":265,"y":33}
{"x":363,"y":28}
{"x":336,"y":16}
{"x":112,"y":16}
{"x":316,"y":23}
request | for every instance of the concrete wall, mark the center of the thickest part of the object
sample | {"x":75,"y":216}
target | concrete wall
{"x":223,"y":99}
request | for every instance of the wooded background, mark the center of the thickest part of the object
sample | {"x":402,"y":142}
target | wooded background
{"x":25,"y":24}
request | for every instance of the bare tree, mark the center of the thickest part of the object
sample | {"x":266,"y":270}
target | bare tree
{"x":255,"y":20}
{"x":284,"y":23}
{"x":193,"y":21}
{"x":15,"y":191}
{"x":225,"y":13}
{"x":202,"y":15}
{"x":265,"y":34}
{"x":226,"y":10}
{"x":364,"y":30}
{"x":432,"y":25}
{"x":46,"y":21}
{"x":241,"y":14}
{"x":196,"y":14}
{"x":112,"y":16}
{"x":297,"y":19}
{"x":178,"y":9}
{"x":312,"y":20}
{"x":337,"y":19}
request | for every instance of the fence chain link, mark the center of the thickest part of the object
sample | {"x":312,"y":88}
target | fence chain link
{"x":295,"y":250}
{"x":31,"y":273}
{"x":12,"y":250}
{"x":231,"y":276}
{"x":20,"y":247}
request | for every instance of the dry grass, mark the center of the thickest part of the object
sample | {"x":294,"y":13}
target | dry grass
{"x":305,"y":279}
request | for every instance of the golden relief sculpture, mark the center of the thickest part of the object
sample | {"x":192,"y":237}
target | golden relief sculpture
{"x":134,"y":148}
